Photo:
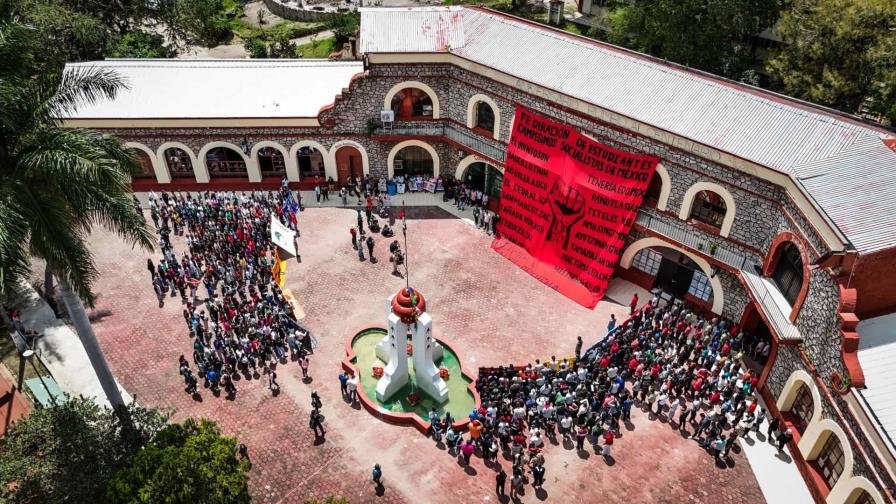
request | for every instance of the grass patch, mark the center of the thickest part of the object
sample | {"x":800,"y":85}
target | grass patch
{"x":318,"y":49}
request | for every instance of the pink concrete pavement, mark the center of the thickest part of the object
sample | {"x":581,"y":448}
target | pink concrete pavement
{"x":492,"y":312}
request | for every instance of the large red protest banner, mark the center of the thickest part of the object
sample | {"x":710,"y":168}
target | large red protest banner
{"x":567,"y":203}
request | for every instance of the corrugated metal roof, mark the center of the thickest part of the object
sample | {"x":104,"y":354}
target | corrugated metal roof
{"x":192,"y":89}
{"x":764,"y":128}
{"x":857,"y":189}
{"x":877,"y":352}
{"x":773,"y":304}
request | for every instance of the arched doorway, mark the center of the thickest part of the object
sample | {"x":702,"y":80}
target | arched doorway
{"x":412,"y":161}
{"x":179,"y":163}
{"x":704,"y":285}
{"x":311,"y":163}
{"x":349,"y":164}
{"x":225,"y":162}
{"x":271,"y":162}
{"x":760,"y":347}
{"x":675,"y":274}
{"x":481,"y":176}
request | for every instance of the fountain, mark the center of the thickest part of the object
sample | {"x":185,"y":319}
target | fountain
{"x":406,"y":313}
{"x":402,"y":379}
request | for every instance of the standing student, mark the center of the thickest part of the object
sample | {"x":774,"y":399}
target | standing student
{"x":633,"y":305}
{"x":500,"y":480}
{"x":377,"y":475}
{"x":608,"y":444}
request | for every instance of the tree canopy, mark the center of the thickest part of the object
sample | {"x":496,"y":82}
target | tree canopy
{"x":711,"y":35}
{"x":840,"y":53}
{"x":69,"y":452}
{"x":189,"y":462}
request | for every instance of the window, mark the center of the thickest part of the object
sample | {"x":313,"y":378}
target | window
{"x":224,"y":162}
{"x":652,"y":196}
{"x":700,"y":287}
{"x":411,"y":103}
{"x":801,"y":409}
{"x":788,"y":274}
{"x":270,"y":161}
{"x":648,"y":261}
{"x":709,"y":208}
{"x":864,"y":498}
{"x":413,"y":160}
{"x":485,"y":117}
{"x":311,"y":162}
{"x":179,"y":163}
{"x":830,"y":460}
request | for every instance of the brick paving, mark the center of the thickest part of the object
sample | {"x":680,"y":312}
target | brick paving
{"x":491,"y":312}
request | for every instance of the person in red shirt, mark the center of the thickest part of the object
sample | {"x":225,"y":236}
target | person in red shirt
{"x":608,"y":444}
{"x":634,"y":304}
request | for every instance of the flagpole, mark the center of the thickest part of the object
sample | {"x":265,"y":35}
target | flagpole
{"x":404,"y":231}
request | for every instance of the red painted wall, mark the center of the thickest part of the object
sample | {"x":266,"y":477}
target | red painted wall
{"x":873,"y":278}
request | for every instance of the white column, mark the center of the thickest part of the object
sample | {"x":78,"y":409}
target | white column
{"x":395,"y":375}
{"x":425,"y":370}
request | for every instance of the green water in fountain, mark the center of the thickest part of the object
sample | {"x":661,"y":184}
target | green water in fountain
{"x":460,"y":400}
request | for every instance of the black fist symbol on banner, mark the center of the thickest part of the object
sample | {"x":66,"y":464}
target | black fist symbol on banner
{"x":567,"y":208}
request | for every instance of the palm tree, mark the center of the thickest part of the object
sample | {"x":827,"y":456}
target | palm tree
{"x":56,"y":183}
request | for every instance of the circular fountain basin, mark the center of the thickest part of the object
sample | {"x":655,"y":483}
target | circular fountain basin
{"x":361,"y":359}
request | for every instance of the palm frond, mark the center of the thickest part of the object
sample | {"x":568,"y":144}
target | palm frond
{"x":82,"y":85}
{"x":55,"y":239}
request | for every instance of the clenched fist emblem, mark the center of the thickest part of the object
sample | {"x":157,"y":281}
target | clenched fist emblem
{"x":567,"y":208}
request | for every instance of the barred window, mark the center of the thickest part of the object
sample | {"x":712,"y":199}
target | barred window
{"x":802,"y":407}
{"x":648,"y":261}
{"x":709,"y":208}
{"x":700,"y":287}
{"x":830,"y":460}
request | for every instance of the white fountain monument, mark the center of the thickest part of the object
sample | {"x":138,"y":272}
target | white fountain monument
{"x":406,"y":312}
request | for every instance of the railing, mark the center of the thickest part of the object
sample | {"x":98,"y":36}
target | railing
{"x":765,"y":298}
{"x":686,"y":235}
{"x":475,"y":142}
{"x":458,"y":134}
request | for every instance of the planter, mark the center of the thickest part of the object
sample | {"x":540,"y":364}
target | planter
{"x":840,"y":383}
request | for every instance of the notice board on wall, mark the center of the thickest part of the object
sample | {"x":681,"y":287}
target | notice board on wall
{"x":567,"y":204}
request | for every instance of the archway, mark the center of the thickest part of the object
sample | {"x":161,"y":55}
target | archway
{"x":349,"y":164}
{"x":146,"y":158}
{"x":272,"y":159}
{"x":826,"y":448}
{"x":659,"y":188}
{"x":717,"y":207}
{"x":855,"y":490}
{"x":312,"y":159}
{"x":180,"y":162}
{"x":412,"y":100}
{"x":800,"y":401}
{"x":488,"y":179}
{"x":706,"y":285}
{"x":787,"y":263}
{"x":223,"y":159}
{"x":146,"y":170}
{"x":760,"y":347}
{"x":412,"y":158}
{"x":484,"y":114}
{"x":311,"y":163}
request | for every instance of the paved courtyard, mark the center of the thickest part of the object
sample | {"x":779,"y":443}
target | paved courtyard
{"x":489,"y":310}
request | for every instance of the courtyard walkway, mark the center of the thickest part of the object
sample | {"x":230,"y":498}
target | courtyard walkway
{"x":489,"y":310}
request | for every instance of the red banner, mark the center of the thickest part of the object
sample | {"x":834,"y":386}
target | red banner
{"x":567,"y":203}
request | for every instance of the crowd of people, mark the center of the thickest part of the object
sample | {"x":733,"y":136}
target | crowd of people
{"x":239,"y":322}
{"x":666,"y":359}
